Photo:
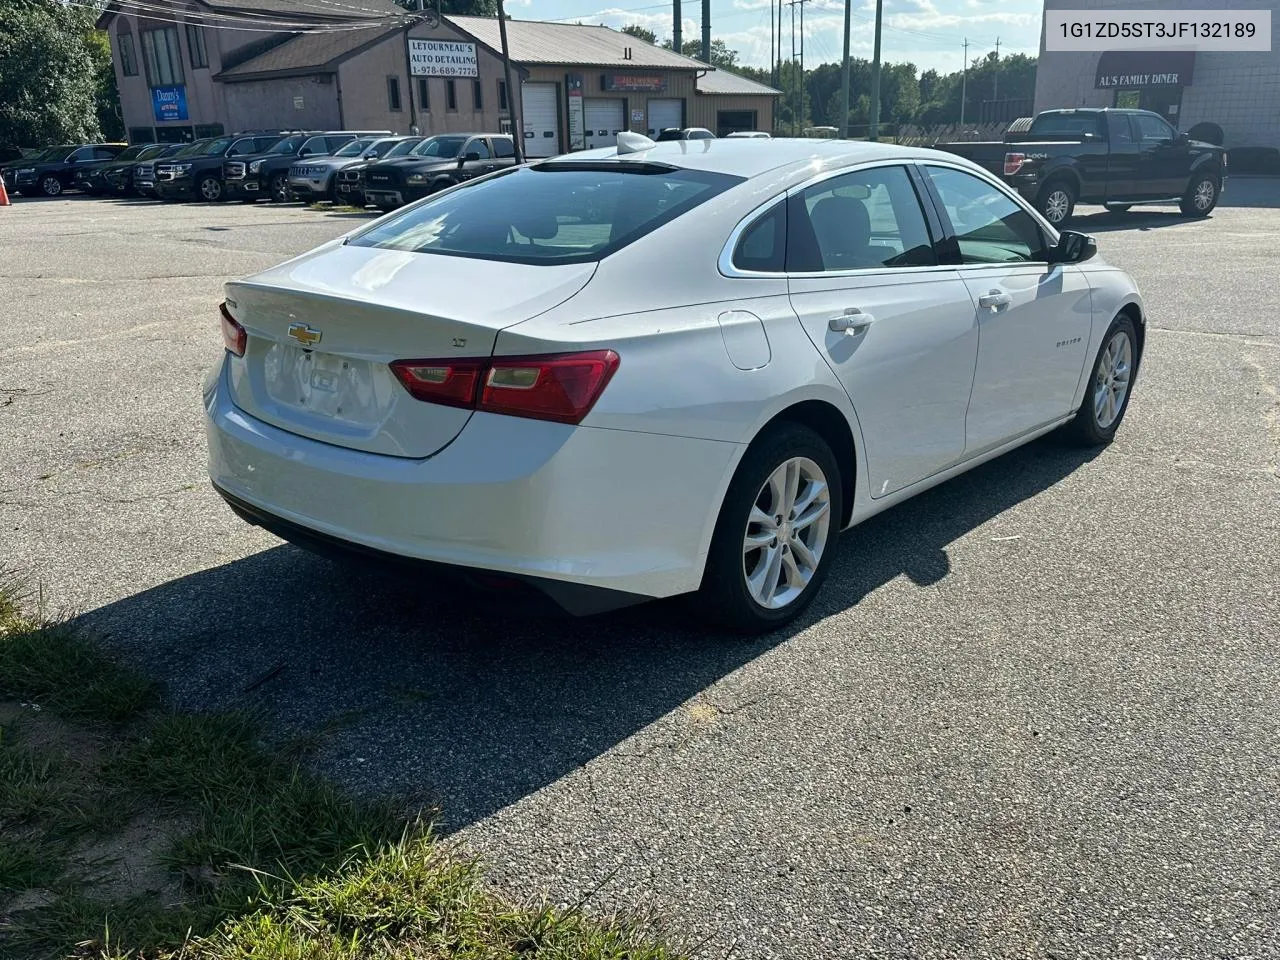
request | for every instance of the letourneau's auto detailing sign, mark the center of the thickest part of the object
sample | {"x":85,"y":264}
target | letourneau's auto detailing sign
{"x":635,"y":82}
{"x":442,"y":58}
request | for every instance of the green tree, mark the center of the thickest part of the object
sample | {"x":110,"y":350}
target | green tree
{"x":641,"y":33}
{"x":49,"y":73}
{"x":722,"y":58}
{"x":463,"y":8}
{"x":106,"y":94}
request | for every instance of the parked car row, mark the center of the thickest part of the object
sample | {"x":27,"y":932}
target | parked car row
{"x":358,"y":167}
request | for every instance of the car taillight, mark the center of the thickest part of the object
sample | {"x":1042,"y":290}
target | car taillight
{"x":1013,"y":163}
{"x":562,"y":387}
{"x":234,"y":336}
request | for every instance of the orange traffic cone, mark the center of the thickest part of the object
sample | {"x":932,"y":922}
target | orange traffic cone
{"x":4,"y":194}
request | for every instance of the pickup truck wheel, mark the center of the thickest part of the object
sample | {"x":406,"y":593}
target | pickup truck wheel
{"x":1118,"y":207}
{"x":1056,"y":202}
{"x":1201,"y":196}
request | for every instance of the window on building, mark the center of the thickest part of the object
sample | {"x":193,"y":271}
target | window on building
{"x":502,"y":94}
{"x":424,"y":94}
{"x":195,"y":47}
{"x":451,"y":95}
{"x":393,"y":93}
{"x":128,"y":59}
{"x":162,"y":56}
{"x":478,"y":94}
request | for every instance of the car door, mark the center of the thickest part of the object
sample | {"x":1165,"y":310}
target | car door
{"x":482,"y":162}
{"x":1122,"y":157}
{"x":898,"y":329}
{"x":1033,"y":318}
{"x":504,"y":153}
{"x":1164,"y":167}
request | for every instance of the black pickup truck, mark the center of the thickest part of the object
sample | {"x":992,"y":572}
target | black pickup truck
{"x":1117,"y":158}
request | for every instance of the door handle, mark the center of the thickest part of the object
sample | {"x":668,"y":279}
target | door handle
{"x":852,"y":322}
{"x":994,"y":300}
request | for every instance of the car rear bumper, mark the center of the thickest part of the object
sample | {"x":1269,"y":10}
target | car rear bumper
{"x":613,"y":510}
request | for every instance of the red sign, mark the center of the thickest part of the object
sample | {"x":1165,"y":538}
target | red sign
{"x":635,"y":82}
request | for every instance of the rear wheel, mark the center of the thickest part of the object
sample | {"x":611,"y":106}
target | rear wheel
{"x":1201,"y":196}
{"x":1056,"y":201}
{"x":776,"y":533}
{"x":50,"y":186}
{"x":210,"y":188}
{"x":1107,"y":397}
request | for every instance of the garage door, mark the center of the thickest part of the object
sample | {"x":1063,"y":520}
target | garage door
{"x":605,"y":119}
{"x":664,"y":115}
{"x":541,"y":119}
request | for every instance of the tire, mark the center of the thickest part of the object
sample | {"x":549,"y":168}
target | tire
{"x":731,"y":597}
{"x":1056,"y":202}
{"x":1201,"y":196}
{"x":210,"y":189}
{"x":279,"y":188}
{"x":1096,"y":422}
{"x":50,"y":186}
{"x":1118,"y":208}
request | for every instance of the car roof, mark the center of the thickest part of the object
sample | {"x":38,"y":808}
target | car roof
{"x":739,"y":158}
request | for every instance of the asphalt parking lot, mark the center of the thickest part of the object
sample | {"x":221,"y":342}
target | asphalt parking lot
{"x":1035,"y":712}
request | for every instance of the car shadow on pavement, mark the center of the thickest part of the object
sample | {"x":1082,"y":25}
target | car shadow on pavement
{"x":453,"y":700}
{"x":1138,"y":219}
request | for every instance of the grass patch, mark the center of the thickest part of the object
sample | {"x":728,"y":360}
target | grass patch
{"x":129,"y":830}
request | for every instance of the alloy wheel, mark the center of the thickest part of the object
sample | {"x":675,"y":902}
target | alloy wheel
{"x":787,"y":532}
{"x":1111,"y":383}
{"x":211,"y":189}
{"x":1204,"y":195}
{"x":1056,"y":206}
{"x":279,"y":189}
{"x":51,"y":186}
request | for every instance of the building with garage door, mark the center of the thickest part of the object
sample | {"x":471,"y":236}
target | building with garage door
{"x":205,"y":67}
{"x":1236,"y":91}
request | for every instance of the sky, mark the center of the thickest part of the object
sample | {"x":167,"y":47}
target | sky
{"x":929,"y":33}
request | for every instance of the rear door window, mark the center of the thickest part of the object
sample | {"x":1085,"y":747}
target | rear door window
{"x":558,"y":212}
{"x":857,"y":221}
{"x":503,"y":148}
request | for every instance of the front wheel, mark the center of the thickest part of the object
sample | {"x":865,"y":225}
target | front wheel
{"x":1107,"y":396}
{"x":279,"y":187}
{"x":1056,"y":202}
{"x":1201,"y":196}
{"x":776,"y":533}
{"x":210,"y":189}
{"x":51,"y":186}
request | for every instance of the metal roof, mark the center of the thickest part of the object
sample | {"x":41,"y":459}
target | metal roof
{"x":724,"y":83}
{"x":305,"y":52}
{"x":531,"y":41}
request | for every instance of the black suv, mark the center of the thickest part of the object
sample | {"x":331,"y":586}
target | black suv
{"x":250,"y":177}
{"x":116,"y":176}
{"x":350,"y":186}
{"x":91,"y":177}
{"x":143,"y":179}
{"x":434,"y":164}
{"x":197,"y":174}
{"x":53,"y":170}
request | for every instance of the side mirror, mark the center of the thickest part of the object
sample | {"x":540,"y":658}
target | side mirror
{"x":1184,"y":137}
{"x":1073,"y":247}
{"x":471,"y":155}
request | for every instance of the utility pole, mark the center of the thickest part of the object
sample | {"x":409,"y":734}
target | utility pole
{"x":995,"y":80}
{"x":794,"y":112}
{"x":874,"y":132}
{"x":964,"y":81}
{"x":778,"y":62}
{"x":706,"y":31}
{"x":677,"y":28}
{"x":772,"y":39}
{"x":844,"y":72}
{"x":517,"y":132}
{"x":802,"y":111}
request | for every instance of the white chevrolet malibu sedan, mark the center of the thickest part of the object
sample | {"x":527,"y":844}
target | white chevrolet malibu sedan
{"x":662,"y":369}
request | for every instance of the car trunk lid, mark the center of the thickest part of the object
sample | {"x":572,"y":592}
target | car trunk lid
{"x":323,"y":329}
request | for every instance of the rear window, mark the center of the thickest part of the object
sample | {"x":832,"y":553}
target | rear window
{"x":552,"y":214}
{"x":1065,"y":124}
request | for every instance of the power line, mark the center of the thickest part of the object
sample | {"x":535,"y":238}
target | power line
{"x":209,"y":21}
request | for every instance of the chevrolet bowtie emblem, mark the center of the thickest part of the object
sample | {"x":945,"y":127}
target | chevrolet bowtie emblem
{"x":305,"y":335}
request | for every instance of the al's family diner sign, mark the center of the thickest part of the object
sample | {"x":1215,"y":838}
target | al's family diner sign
{"x":442,"y":58}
